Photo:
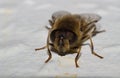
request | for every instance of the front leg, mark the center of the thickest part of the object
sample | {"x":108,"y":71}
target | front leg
{"x":77,"y":56}
{"x":49,"y":53}
{"x":48,"y":48}
{"x":50,"y":56}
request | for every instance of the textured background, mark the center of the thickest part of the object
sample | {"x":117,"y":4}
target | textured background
{"x":22,"y":30}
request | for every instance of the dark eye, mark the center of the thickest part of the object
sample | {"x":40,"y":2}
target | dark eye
{"x":59,"y":34}
{"x":70,"y":36}
{"x":65,"y":34}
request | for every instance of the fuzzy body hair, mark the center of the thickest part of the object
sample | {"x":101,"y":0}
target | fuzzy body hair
{"x":68,"y":33}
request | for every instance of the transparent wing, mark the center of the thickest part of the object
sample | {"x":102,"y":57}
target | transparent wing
{"x":90,"y":27}
{"x":89,"y":18}
{"x":88,"y":21}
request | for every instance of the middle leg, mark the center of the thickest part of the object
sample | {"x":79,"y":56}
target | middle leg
{"x":77,"y":56}
{"x":40,"y":48}
{"x":92,"y":48}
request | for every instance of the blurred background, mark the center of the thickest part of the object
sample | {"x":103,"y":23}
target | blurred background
{"x":22,"y":29}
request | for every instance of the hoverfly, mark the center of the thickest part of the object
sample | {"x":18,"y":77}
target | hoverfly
{"x":68,"y":32}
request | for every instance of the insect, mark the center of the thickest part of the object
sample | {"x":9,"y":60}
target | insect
{"x":68,"y":32}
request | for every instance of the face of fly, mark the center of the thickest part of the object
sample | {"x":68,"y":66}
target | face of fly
{"x":63,"y":40}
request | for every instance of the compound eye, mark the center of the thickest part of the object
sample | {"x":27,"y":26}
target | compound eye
{"x":59,"y":34}
{"x":64,"y":34}
{"x":70,"y":36}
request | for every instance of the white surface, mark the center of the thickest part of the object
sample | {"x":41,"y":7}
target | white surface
{"x":22,"y":30}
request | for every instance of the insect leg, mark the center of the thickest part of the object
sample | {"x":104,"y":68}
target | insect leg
{"x":43,"y":47}
{"x":40,"y":48}
{"x":89,"y":29}
{"x":92,"y":48}
{"x":49,"y":53}
{"x":50,"y":56}
{"x":96,"y":32}
{"x":77,"y":57}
